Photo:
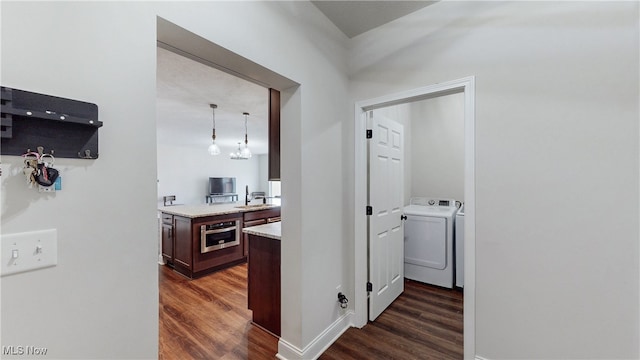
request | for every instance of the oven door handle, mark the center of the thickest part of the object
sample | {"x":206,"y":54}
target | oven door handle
{"x":218,"y":231}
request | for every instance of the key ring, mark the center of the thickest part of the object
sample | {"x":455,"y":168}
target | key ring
{"x":53,"y":160}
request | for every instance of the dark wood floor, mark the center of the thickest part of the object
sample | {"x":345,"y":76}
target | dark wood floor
{"x":425,"y":322}
{"x":207,"y":318}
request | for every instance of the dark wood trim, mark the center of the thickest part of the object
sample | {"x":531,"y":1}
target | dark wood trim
{"x":274,"y":135}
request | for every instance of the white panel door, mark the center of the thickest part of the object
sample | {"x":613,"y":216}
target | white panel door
{"x":386,"y":194}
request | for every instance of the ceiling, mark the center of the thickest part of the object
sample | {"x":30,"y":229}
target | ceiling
{"x":356,"y":17}
{"x":185,"y":87}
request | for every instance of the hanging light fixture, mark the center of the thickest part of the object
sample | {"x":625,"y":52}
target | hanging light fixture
{"x":213,"y":148}
{"x":243,"y":154}
{"x":246,"y":152}
{"x":238,"y":154}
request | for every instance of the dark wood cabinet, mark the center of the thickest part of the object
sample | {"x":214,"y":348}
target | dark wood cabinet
{"x":260,"y":217}
{"x":264,"y":282}
{"x":181,"y":245}
{"x":274,"y":135}
{"x":176,"y":242}
{"x":205,"y":263}
{"x":167,"y":238}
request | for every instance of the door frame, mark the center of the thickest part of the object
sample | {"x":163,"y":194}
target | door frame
{"x":467,"y":86}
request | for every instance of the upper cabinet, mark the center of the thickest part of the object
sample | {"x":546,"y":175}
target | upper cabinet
{"x":274,"y":135}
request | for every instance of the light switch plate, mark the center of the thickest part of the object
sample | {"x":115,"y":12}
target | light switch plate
{"x":29,"y":251}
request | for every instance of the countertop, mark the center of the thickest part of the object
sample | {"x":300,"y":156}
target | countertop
{"x":272,"y":230}
{"x":202,"y":210}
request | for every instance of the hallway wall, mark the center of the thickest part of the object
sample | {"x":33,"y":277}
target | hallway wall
{"x":557,"y":162}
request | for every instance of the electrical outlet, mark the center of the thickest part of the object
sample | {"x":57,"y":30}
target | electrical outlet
{"x":29,"y":251}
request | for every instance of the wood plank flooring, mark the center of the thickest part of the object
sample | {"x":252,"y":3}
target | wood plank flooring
{"x":425,"y":322}
{"x":207,"y":318}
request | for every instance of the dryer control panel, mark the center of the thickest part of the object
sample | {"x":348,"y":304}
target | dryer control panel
{"x":424,"y":201}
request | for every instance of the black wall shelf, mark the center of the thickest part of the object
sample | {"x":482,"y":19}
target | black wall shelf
{"x":66,"y":128}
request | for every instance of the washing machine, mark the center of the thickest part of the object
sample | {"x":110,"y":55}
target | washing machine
{"x":428,"y":240}
{"x":459,"y":245}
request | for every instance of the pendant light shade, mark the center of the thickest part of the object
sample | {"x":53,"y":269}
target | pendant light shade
{"x":213,"y":148}
{"x":238,"y":155}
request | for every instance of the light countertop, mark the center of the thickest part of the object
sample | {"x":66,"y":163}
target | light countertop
{"x":271,"y":230}
{"x":202,"y":210}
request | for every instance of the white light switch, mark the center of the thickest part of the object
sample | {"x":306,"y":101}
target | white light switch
{"x":29,"y":251}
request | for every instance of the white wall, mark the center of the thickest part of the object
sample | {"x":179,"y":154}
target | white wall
{"x":434,"y":145}
{"x":101,"y":301}
{"x":556,"y":162}
{"x":104,"y":289}
{"x":437,"y":147}
{"x":263,"y":174}
{"x":315,"y":256}
{"x":184,"y":171}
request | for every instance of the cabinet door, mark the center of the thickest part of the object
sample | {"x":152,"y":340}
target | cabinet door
{"x":245,"y":237}
{"x":167,"y":242}
{"x":274,"y":135}
{"x":263,"y":293}
{"x":183,"y":243}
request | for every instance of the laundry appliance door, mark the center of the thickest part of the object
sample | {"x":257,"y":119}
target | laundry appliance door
{"x":425,"y":241}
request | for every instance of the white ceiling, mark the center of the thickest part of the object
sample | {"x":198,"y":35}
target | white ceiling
{"x":185,"y":88}
{"x":356,"y":17}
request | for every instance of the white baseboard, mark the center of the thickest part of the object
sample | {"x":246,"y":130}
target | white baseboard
{"x":480,"y":358}
{"x":287,"y":351}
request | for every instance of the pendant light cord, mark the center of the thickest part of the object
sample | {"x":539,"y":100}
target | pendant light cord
{"x":246,"y":131}
{"x":214,"y":106}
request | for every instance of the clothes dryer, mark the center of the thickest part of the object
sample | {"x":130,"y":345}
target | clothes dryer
{"x":429,"y":237}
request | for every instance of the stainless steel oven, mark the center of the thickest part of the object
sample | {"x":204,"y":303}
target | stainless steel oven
{"x":219,"y":235}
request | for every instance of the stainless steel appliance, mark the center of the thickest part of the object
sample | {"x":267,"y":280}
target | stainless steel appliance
{"x":219,"y":235}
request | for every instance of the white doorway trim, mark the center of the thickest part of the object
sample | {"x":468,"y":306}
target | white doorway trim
{"x":466,"y":85}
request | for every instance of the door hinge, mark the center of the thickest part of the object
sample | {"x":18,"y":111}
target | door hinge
{"x":369,"y":287}
{"x":369,"y":210}
{"x":369,"y":134}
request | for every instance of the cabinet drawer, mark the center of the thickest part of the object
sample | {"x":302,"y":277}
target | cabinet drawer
{"x":167,"y":219}
{"x":254,"y":222}
{"x":262,"y":214}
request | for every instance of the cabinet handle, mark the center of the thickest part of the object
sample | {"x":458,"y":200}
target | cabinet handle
{"x":219,"y":230}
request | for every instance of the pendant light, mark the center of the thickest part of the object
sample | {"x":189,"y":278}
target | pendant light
{"x":243,"y":154}
{"x":238,"y":154}
{"x":246,"y":152}
{"x":213,"y":148}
